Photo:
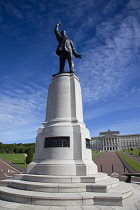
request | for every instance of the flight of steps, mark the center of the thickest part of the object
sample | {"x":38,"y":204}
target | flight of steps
{"x":46,"y":190}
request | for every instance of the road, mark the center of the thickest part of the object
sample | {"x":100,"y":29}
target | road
{"x":6,"y":171}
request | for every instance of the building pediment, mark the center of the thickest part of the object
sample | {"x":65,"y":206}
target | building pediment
{"x":116,"y":133}
{"x":109,"y":136}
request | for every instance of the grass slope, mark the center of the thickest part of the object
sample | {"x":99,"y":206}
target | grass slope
{"x":17,"y":159}
{"x":95,"y":156}
{"x":134,"y":152}
{"x":131,"y":162}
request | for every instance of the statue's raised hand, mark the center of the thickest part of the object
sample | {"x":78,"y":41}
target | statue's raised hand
{"x":58,"y":24}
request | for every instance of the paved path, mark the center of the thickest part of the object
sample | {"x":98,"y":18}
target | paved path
{"x":21,"y":169}
{"x":6,"y":171}
{"x":109,"y":162}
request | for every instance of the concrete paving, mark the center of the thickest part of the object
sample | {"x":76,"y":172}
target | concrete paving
{"x":131,"y":203}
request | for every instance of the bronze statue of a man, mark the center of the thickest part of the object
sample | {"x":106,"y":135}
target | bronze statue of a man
{"x":65,"y":49}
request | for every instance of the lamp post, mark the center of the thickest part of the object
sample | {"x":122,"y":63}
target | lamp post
{"x":25,"y":155}
{"x":138,"y":146}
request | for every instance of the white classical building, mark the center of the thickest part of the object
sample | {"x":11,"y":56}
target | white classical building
{"x":112,"y":140}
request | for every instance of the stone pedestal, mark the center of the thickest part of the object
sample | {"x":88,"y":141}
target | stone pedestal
{"x":62,"y":144}
{"x":63,"y":174}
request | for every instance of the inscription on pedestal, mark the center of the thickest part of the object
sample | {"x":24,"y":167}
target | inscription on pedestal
{"x":60,"y":141}
{"x":88,"y":145}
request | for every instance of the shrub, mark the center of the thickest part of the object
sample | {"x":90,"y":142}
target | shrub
{"x":30,"y":155}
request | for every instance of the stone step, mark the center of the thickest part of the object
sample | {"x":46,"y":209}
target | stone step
{"x":62,"y":179}
{"x":112,"y":198}
{"x":125,"y":189}
{"x":56,"y":199}
{"x":102,"y":186}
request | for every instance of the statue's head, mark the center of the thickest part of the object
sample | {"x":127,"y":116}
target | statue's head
{"x":63,"y":33}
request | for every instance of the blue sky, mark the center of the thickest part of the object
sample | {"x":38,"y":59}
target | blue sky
{"x":105,"y":32}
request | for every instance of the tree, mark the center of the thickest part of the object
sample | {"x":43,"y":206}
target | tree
{"x":30,"y":155}
{"x":15,"y":150}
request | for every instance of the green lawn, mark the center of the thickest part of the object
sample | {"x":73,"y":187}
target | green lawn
{"x":95,"y":156}
{"x":135,"y":152}
{"x":93,"y":152}
{"x":131,"y":162}
{"x":17,"y":159}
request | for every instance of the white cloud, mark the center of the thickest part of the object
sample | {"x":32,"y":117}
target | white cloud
{"x":110,"y":66}
{"x":21,"y":110}
{"x":125,"y":103}
{"x":133,"y":4}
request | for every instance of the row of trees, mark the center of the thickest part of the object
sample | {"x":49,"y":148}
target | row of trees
{"x":16,"y":148}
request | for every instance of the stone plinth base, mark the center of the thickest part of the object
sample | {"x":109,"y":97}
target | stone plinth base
{"x":62,"y":144}
{"x":61,"y":169}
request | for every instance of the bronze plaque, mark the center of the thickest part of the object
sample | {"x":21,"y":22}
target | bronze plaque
{"x":59,"y":141}
{"x":88,"y":145}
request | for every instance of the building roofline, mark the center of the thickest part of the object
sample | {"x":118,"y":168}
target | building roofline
{"x":114,"y":133}
{"x":130,"y":135}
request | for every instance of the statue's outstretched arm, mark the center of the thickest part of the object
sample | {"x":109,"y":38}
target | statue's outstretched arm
{"x":74,"y":52}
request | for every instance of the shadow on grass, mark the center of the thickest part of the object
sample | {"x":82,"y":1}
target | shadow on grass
{"x":18,"y":163}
